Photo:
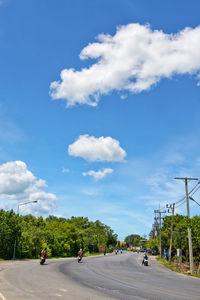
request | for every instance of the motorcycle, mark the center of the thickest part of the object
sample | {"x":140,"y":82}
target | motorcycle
{"x":42,"y":259}
{"x":145,"y":262}
{"x":79,"y":258}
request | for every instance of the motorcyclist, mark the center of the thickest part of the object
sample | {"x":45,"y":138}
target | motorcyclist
{"x":43,"y":256}
{"x":144,"y":258}
{"x":80,"y":253}
{"x":44,"y":253}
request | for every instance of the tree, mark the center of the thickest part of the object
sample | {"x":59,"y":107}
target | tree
{"x":133,"y":239}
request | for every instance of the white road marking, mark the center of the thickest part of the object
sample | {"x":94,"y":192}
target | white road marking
{"x":63,"y":290}
{"x":2,"y":297}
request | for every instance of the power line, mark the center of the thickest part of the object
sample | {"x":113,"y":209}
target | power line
{"x":193,"y":191}
{"x":181,"y":204}
{"x":194,"y":200}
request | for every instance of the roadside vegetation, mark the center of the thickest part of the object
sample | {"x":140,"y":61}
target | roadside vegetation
{"x":180,"y":241}
{"x":62,"y":237}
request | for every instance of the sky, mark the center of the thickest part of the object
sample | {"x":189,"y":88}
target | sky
{"x":99,"y":108}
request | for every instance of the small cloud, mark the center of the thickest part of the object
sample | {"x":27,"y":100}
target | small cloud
{"x":65,"y":170}
{"x":97,"y":149}
{"x":59,"y":216}
{"x":174,"y":158}
{"x":98,"y":175}
{"x":90,"y":192}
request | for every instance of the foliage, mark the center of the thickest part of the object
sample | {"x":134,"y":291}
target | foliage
{"x":62,"y":237}
{"x":133,"y":239}
{"x":180,"y":236}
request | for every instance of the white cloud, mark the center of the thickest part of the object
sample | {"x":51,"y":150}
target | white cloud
{"x":175,"y":158}
{"x":19,"y":184}
{"x":133,"y":60}
{"x":65,"y":170}
{"x":97,"y":149}
{"x":98,"y":175}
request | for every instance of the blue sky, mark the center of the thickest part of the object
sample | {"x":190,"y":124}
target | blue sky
{"x":105,"y":138}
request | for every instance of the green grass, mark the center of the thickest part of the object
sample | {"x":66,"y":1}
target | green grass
{"x":172,"y":268}
{"x":86,"y":254}
{"x":166,"y":264}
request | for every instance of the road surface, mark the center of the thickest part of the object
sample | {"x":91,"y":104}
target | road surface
{"x":97,"y":278}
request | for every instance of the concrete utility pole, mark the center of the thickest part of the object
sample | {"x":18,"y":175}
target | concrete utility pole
{"x":171,"y":206}
{"x":159,"y":212}
{"x":188,"y":214}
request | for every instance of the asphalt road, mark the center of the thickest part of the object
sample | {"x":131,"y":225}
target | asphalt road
{"x":101,"y":277}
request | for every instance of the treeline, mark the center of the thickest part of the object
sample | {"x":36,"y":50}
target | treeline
{"x":62,"y":237}
{"x":180,"y":236}
{"x":134,"y":240}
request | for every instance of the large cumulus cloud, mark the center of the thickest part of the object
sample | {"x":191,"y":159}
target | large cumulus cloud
{"x":133,"y":60}
{"x":19,"y":184}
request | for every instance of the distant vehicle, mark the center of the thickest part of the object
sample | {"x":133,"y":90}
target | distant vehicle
{"x":148,"y":250}
{"x":154,"y":252}
{"x":142,"y":250}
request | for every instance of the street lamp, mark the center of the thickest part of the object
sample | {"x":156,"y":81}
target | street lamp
{"x":20,"y":204}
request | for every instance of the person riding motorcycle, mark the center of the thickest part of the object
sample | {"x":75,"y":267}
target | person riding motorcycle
{"x":80,"y":253}
{"x":144,"y":258}
{"x":44,"y":253}
{"x":43,"y":256}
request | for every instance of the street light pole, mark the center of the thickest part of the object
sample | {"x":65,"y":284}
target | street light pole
{"x":15,"y":243}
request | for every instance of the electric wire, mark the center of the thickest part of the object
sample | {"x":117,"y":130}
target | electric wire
{"x":181,"y":204}
{"x":190,"y":192}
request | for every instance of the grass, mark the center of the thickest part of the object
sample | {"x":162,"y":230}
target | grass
{"x":93,"y":254}
{"x":172,"y":268}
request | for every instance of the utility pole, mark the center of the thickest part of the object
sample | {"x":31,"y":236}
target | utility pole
{"x":171,"y":206}
{"x":159,"y":212}
{"x":188,"y":214}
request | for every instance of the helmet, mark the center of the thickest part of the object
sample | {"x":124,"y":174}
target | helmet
{"x":80,"y":249}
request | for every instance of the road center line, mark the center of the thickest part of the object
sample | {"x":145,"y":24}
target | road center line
{"x":2,"y":297}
